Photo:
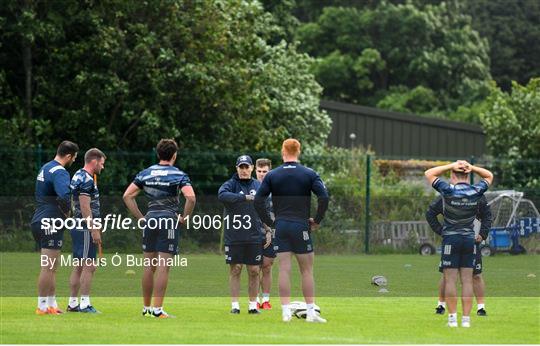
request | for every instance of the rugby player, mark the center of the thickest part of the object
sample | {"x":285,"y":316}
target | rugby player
{"x":53,"y":199}
{"x":460,"y":203}
{"x":262,"y":167}
{"x":85,"y":239}
{"x":161,"y":184}
{"x":291,"y":185}
{"x":484,"y":215}
{"x":242,"y":241}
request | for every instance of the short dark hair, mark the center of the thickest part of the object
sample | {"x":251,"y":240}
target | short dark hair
{"x":263,"y":162}
{"x":166,"y":148}
{"x":66,"y":148}
{"x":92,"y":154}
{"x":461,"y":175}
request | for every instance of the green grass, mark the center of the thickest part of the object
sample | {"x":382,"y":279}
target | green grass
{"x":356,"y":312}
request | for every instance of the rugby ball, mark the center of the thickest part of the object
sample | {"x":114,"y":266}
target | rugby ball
{"x":299,"y":309}
{"x":379,"y":280}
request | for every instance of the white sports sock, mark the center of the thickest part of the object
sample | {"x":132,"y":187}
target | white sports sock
{"x":235,"y":305}
{"x":310,"y":310}
{"x":73,"y":302}
{"x":481,"y":306}
{"x":285,"y":310}
{"x":51,"y":301}
{"x":42,"y":303}
{"x":258,"y":299}
{"x":85,"y":302}
{"x":253,"y":305}
{"x":443,"y":304}
{"x":266,"y":297}
{"x":158,"y":310}
{"x":452,"y":317}
{"x":465,"y":318}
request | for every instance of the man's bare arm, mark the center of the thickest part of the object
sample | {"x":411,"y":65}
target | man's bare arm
{"x":86,"y":211}
{"x":189,"y":194}
{"x":129,"y":199}
{"x":433,"y":173}
{"x":483,"y":173}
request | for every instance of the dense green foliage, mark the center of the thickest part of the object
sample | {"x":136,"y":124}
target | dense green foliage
{"x":124,"y":74}
{"x":400,"y":57}
{"x":513,"y":31}
{"x":512,"y":125}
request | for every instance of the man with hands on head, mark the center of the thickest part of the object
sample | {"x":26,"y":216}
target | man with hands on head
{"x":460,"y":204}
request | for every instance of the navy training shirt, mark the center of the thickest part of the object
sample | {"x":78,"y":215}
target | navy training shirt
{"x":483,"y":214}
{"x":83,"y":183}
{"x":291,"y":185}
{"x":460,"y":205}
{"x":243,"y":225}
{"x":161,"y":184}
{"x":52,"y":195}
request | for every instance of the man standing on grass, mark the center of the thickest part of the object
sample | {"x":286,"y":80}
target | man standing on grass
{"x":262,"y":167}
{"x":161,"y":184}
{"x":481,"y":233}
{"x":291,"y":185}
{"x":460,"y":206}
{"x":87,"y":238}
{"x":53,"y":198}
{"x":242,"y":232}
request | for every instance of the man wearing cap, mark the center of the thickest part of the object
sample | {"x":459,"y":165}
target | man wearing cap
{"x":242,"y":237}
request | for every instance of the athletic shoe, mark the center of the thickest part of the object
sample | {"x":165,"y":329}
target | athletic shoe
{"x":315,"y":319}
{"x":54,"y":311}
{"x":90,"y":310}
{"x":439,"y":310}
{"x":162,"y":314}
{"x":41,"y":312}
{"x":254,"y":311}
{"x":266,"y":306}
{"x":235,"y":311}
{"x":452,"y":324}
{"x":75,"y":309}
{"x":465,"y":324}
{"x":286,"y":318}
{"x":481,"y":312}
{"x":147,"y":312}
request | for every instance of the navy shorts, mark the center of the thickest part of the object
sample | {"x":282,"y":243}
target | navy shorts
{"x":477,"y":267}
{"x":458,"y":252}
{"x":269,"y":252}
{"x":293,"y":236}
{"x":161,"y":233}
{"x":83,"y":246}
{"x":249,"y":254}
{"x":46,"y":238}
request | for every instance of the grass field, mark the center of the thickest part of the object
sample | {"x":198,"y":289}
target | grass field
{"x":356,"y":312}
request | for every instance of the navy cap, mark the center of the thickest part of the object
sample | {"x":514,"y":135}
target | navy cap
{"x":244,"y":160}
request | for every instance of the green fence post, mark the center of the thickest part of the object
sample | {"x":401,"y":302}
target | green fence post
{"x":368,"y":178}
{"x":471,"y":176}
{"x":153,"y":157}
{"x":39,"y":153}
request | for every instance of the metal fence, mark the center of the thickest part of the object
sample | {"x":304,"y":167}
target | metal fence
{"x":377,"y":203}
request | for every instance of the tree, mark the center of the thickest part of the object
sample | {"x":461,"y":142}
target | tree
{"x":124,"y":74}
{"x":512,"y":125}
{"x":386,"y":47}
{"x":512,"y":30}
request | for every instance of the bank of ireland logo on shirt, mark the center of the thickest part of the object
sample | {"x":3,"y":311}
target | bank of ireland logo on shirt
{"x":252,"y":192}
